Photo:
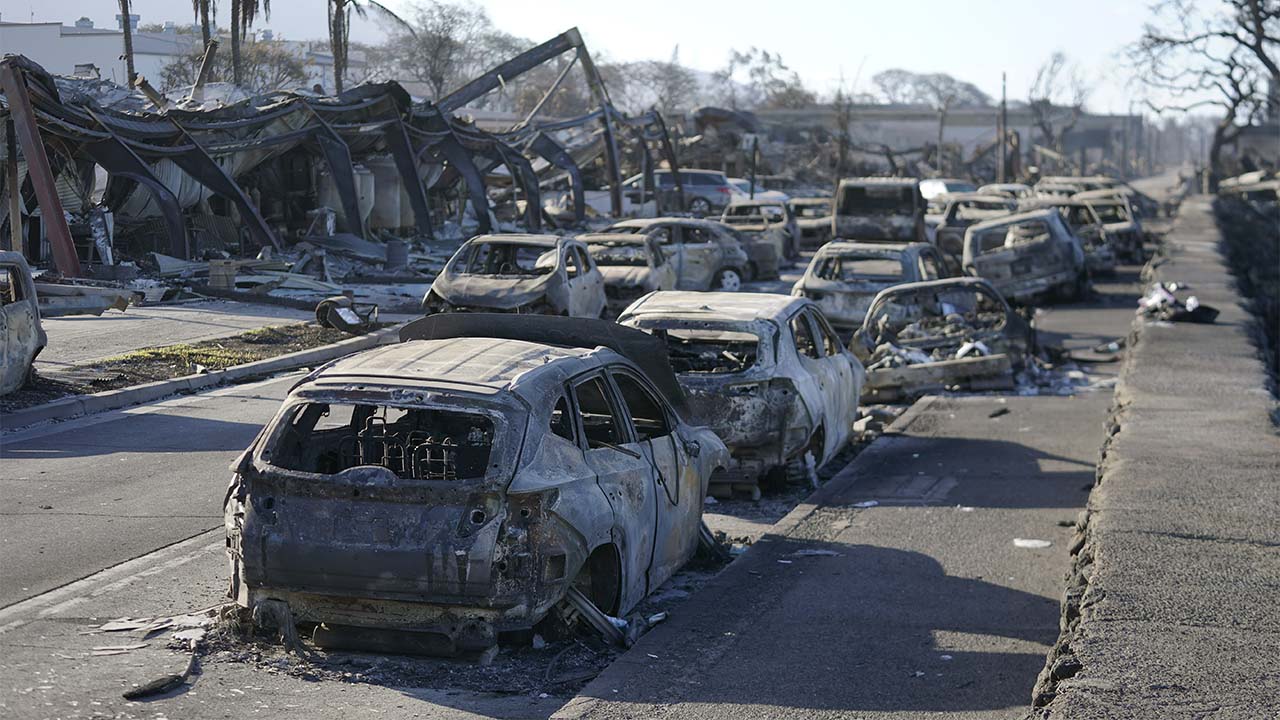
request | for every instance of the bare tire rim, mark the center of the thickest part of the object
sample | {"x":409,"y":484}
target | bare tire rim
{"x":730,"y":281}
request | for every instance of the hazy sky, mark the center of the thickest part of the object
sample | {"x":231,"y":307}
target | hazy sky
{"x":971,"y":39}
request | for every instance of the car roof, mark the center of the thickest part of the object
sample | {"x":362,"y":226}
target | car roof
{"x":489,"y":362}
{"x":1037,"y":214}
{"x":810,"y":201}
{"x":519,"y":239}
{"x":646,"y":222}
{"x":962,"y":196}
{"x":754,"y":203}
{"x":718,"y":305}
{"x":615,"y":238}
{"x":837,"y":247}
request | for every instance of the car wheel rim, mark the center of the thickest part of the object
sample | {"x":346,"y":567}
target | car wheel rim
{"x":730,"y":281}
{"x":699,"y":206}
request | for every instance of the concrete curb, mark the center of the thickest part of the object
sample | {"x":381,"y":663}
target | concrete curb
{"x":736,"y":573}
{"x":67,"y":408}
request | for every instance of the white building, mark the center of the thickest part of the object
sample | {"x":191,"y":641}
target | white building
{"x":84,"y":49}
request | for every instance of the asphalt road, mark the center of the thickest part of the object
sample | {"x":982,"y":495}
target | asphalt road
{"x":87,"y":494}
{"x":92,"y":493}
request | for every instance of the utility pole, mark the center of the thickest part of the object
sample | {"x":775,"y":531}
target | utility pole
{"x":1003,"y":128}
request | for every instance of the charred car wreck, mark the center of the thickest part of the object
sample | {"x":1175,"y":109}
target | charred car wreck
{"x":21,"y":335}
{"x":843,"y":277}
{"x":1028,"y":256}
{"x":952,"y":334}
{"x":526,"y":274}
{"x":632,"y":266}
{"x":469,"y":480}
{"x":766,"y":372}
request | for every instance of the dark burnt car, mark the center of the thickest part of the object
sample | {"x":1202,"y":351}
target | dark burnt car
{"x":462,"y":482}
{"x":813,"y":220}
{"x":1028,"y":256}
{"x":843,"y":277}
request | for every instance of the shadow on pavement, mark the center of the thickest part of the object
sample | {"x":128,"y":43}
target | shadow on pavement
{"x":136,"y":433}
{"x":836,"y":627}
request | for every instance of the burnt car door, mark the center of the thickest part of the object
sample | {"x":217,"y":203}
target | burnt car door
{"x":700,"y":258}
{"x":20,"y":333}
{"x":930,"y":265}
{"x":625,"y":474}
{"x":836,"y":368}
{"x":816,"y":381}
{"x":678,"y":489}
{"x":586,"y":284}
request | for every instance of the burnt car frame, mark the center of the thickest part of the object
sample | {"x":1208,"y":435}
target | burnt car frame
{"x":524,"y":274}
{"x":813,"y":220}
{"x":956,"y":212}
{"x":766,"y":372}
{"x":458,"y":484}
{"x":1085,"y":223}
{"x":769,"y":220}
{"x":707,"y":254}
{"x":632,"y":266}
{"x":1028,"y":256}
{"x":844,"y":277}
{"x":949,"y":334}
{"x":22,"y":336}
{"x":884,"y":209}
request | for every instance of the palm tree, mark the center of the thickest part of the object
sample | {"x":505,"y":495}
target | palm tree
{"x":127,"y":25}
{"x":203,"y":9}
{"x":340,"y":30}
{"x":243,"y":13}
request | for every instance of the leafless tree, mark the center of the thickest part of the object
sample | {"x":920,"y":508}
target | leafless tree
{"x":670,"y":84}
{"x":447,"y":44}
{"x":1227,"y":59}
{"x":1056,"y":98}
{"x":842,"y":103}
{"x":757,"y":77}
{"x":265,"y":66}
{"x":939,"y":91}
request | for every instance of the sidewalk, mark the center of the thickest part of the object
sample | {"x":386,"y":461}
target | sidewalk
{"x":1173,"y":614}
{"x":920,"y":603}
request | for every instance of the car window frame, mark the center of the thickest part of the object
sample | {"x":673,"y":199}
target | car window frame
{"x":795,"y":342}
{"x":668,"y":413}
{"x":612,"y":396}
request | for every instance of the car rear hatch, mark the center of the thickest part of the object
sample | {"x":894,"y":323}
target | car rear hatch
{"x":382,"y":495}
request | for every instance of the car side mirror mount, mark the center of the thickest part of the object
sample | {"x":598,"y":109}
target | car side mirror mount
{"x":692,"y":448}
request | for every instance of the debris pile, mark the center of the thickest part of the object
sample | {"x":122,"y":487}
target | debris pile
{"x":1161,"y":304}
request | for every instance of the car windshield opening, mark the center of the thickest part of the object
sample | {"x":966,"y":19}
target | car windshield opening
{"x":874,"y":200}
{"x":618,"y":253}
{"x":414,"y":443}
{"x":852,"y":268}
{"x":500,"y":258}
{"x":710,"y":352}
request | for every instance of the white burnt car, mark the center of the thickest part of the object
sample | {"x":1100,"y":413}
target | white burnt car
{"x":843,"y":277}
{"x":632,"y":266}
{"x":1027,"y":256}
{"x":464,"y":482}
{"x":526,"y":274}
{"x":21,"y":335}
{"x":766,"y":372}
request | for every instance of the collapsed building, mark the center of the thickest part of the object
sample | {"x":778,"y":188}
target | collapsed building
{"x":96,"y":173}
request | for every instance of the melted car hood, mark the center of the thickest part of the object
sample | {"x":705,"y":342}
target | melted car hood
{"x":625,"y":275}
{"x":491,"y":291}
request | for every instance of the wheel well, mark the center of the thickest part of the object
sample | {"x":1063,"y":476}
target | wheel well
{"x":600,"y":578}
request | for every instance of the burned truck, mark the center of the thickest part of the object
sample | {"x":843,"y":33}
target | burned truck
{"x":952,"y":334}
{"x":766,"y":372}
{"x":1028,"y":257}
{"x":21,"y":335}
{"x":884,"y":209}
{"x":770,"y":221}
{"x":523,"y":274}
{"x":467,"y":481}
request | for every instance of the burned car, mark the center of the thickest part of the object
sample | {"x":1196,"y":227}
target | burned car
{"x":431,"y":494}
{"x":1119,"y":221}
{"x":707,"y":254}
{"x":21,"y":335}
{"x":1084,"y":223}
{"x":525,"y":274}
{"x":957,"y":333}
{"x":1028,"y":256}
{"x":768,"y":220}
{"x":632,"y":266}
{"x":1014,"y":191}
{"x":766,"y":372}
{"x":951,"y":214}
{"x":879,"y":209}
{"x":813,"y":220}
{"x":843,"y":277}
